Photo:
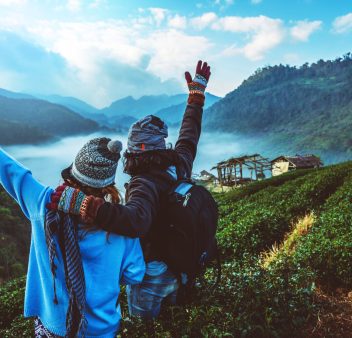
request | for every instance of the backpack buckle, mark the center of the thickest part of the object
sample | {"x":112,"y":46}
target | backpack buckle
{"x":187,"y":197}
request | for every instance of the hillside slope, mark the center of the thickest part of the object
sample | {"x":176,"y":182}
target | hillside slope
{"x":14,"y":238}
{"x":48,"y":118}
{"x":307,"y":108}
{"x":264,"y":292}
{"x":21,"y":133}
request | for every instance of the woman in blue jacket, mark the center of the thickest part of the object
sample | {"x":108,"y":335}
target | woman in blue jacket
{"x":73,"y":275}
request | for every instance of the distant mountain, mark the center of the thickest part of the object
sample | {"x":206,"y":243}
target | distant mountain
{"x":174,"y":114}
{"x":125,"y":111}
{"x":143,"y":106}
{"x":72,"y":103}
{"x":43,"y":118}
{"x":78,"y":106}
{"x":298,"y":109}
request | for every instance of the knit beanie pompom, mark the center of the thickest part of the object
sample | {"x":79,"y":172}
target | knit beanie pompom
{"x":114,"y":146}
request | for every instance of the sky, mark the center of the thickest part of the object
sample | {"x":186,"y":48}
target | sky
{"x":100,"y":50}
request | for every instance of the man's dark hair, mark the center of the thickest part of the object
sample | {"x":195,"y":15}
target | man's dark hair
{"x":144,"y":162}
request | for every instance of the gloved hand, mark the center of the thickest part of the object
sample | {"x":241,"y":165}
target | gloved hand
{"x":198,"y":84}
{"x":74,"y":202}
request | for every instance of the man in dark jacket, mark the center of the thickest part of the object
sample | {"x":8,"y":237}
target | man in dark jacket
{"x":154,"y":169}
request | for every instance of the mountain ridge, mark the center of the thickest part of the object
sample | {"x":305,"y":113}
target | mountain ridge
{"x":303,"y":109}
{"x":39,"y":120}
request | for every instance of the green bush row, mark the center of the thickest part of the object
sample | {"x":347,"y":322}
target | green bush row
{"x":256,"y":222}
{"x":236,"y":194}
{"x":327,"y":248}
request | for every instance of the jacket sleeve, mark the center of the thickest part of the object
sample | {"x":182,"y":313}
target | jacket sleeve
{"x":133,"y":264}
{"x":20,"y":184}
{"x":133,"y":219}
{"x":186,"y":145}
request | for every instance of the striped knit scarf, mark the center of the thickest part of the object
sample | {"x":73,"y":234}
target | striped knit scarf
{"x":64,"y":227}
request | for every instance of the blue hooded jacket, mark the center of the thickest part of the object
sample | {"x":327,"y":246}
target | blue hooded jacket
{"x":106,"y":263}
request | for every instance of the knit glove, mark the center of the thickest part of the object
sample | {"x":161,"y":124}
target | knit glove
{"x":198,"y":84}
{"x":74,"y":202}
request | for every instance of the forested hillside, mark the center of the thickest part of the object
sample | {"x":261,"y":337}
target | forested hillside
{"x":287,"y":266}
{"x":39,"y":120}
{"x":21,"y":133}
{"x":14,"y":238}
{"x":304,"y":109}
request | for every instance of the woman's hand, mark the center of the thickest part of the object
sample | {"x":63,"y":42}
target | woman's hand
{"x":74,"y":202}
{"x":199,"y":83}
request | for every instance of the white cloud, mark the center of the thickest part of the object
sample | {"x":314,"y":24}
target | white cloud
{"x":203,"y":21}
{"x":264,"y":33}
{"x":158,"y":14}
{"x":343,"y":24}
{"x":178,"y":21}
{"x":74,"y":5}
{"x":256,"y":2}
{"x":171,"y":51}
{"x":303,"y":29}
{"x":104,"y":58}
{"x":12,"y":2}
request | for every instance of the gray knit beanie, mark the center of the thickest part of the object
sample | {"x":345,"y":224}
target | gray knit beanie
{"x":96,"y":163}
{"x":148,"y":133}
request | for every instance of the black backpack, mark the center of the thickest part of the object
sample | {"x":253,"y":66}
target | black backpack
{"x":186,"y":229}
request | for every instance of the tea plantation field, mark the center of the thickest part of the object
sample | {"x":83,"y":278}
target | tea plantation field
{"x":286,"y":247}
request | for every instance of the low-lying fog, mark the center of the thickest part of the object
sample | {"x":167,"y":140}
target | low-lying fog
{"x":47,"y":160}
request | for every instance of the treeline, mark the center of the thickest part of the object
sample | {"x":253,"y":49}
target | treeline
{"x":308,"y":107}
{"x":19,"y":133}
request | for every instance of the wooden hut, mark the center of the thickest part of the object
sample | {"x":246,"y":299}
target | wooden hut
{"x":231,"y":172}
{"x":283,"y":164}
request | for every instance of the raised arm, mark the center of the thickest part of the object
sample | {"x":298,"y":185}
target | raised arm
{"x":186,"y":145}
{"x":20,"y":184}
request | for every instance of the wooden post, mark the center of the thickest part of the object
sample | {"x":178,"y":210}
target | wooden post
{"x":219,"y":175}
{"x":235,"y":175}
{"x":255,"y":169}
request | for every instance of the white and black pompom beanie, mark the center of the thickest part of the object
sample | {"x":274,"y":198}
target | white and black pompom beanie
{"x":96,"y":163}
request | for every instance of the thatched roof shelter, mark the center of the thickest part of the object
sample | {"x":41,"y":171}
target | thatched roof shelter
{"x":230,"y":172}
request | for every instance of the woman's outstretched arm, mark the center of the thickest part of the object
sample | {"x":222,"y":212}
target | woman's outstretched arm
{"x":21,"y":185}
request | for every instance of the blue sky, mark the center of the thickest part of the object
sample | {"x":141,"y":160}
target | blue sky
{"x":102,"y":50}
